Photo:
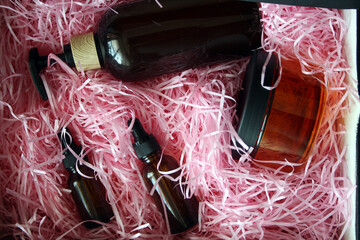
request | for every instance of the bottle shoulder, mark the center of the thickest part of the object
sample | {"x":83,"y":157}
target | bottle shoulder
{"x":164,"y":164}
{"x":80,"y":173}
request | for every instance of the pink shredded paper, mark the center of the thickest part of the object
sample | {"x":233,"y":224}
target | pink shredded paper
{"x":191,"y":115}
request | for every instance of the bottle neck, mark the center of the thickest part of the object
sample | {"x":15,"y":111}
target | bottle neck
{"x":72,"y":170}
{"x":100,"y":50}
{"x":152,"y":158}
{"x":67,"y":56}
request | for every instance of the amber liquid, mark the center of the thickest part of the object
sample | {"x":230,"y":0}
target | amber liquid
{"x":144,"y":40}
{"x":182,"y":213}
{"x":89,"y":196}
{"x":295,"y":115}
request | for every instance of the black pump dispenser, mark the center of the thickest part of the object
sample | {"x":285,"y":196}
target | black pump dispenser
{"x":88,"y":193}
{"x":37,"y":63}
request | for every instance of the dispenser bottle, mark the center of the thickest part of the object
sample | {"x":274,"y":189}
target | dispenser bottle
{"x":88,"y":193}
{"x":140,"y":39}
{"x":182,"y":213}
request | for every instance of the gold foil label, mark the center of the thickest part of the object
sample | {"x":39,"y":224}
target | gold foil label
{"x":84,"y":52}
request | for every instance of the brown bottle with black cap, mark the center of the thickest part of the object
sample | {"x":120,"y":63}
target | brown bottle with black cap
{"x":181,"y":213}
{"x":88,"y":192}
{"x":140,"y":39}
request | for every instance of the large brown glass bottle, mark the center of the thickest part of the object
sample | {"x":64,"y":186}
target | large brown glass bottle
{"x":140,"y":39}
{"x":181,"y":213}
{"x":88,"y":193}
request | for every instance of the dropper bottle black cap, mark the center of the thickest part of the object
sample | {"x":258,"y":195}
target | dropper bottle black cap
{"x":67,"y":141}
{"x":37,"y":63}
{"x":144,"y":143}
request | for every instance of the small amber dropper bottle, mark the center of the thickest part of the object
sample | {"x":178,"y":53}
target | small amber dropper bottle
{"x":182,"y":213}
{"x":88,"y":193}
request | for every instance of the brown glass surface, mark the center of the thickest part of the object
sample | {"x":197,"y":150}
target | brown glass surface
{"x":294,"y":118}
{"x":143,"y":40}
{"x":90,"y":197}
{"x":181,"y":213}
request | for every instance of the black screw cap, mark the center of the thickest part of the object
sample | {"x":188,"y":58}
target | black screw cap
{"x":145,"y":143}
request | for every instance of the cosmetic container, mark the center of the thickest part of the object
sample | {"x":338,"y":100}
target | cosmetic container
{"x":88,"y":192}
{"x":139,"y":40}
{"x":279,"y":124}
{"x":181,"y":213}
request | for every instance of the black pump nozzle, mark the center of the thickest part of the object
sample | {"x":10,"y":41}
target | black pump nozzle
{"x":37,"y":63}
{"x":66,"y":140}
{"x":145,"y":143}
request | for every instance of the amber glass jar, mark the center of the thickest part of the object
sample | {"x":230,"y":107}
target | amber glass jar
{"x":279,"y":124}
